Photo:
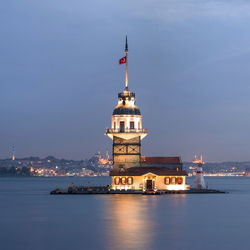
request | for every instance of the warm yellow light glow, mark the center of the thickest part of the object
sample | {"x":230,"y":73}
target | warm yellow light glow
{"x":140,"y":183}
{"x":175,"y":187}
{"x":126,"y":135}
{"x":130,"y":223}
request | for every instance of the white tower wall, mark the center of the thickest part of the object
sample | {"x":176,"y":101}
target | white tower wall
{"x":199,"y":179}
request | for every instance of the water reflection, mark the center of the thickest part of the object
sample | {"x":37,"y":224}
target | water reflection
{"x":130,"y":224}
{"x":138,"y":222}
{"x":173,"y":221}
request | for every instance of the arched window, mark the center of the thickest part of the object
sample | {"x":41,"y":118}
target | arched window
{"x":173,"y":180}
{"x":124,"y":180}
{"x":117,"y":180}
{"x":167,"y":180}
{"x":179,"y":180}
{"x":132,"y":125}
{"x":130,"y":180}
{"x":122,"y":126}
{"x":114,"y":125}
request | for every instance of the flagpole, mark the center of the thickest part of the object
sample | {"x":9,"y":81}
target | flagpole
{"x":126,"y":51}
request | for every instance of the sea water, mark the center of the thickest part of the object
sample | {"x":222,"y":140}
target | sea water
{"x":32,"y":219}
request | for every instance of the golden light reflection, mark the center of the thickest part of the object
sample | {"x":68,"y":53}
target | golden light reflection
{"x":131,"y":226}
{"x":145,"y":221}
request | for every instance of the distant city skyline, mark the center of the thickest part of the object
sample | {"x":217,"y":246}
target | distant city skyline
{"x":188,"y":65}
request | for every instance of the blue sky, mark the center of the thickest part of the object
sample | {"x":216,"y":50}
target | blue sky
{"x":188,"y":64}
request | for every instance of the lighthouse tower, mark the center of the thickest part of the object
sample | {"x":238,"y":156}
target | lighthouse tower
{"x":126,"y":127}
{"x":199,"y":178}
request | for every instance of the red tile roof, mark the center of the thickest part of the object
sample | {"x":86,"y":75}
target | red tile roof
{"x":161,"y":160}
{"x":139,"y":171}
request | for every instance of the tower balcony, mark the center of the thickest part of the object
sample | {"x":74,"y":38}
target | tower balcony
{"x":126,"y":93}
{"x":126,"y":133}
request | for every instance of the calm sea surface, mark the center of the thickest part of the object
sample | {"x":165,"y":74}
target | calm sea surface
{"x":30,"y":218}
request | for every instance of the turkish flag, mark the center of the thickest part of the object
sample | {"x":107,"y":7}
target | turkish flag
{"x":123,"y":60}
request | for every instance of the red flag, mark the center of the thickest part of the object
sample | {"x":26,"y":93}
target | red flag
{"x":123,"y":60}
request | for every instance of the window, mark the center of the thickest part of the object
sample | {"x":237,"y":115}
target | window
{"x":167,"y":180}
{"x":124,"y":180}
{"x":179,"y":180}
{"x":117,"y":180}
{"x":114,"y":125}
{"x":130,"y":180}
{"x":122,"y":126}
{"x":173,"y":180}
{"x":139,"y":125}
{"x":132,"y":125}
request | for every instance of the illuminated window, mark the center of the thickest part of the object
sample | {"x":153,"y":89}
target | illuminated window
{"x":117,"y":180}
{"x":173,"y":180}
{"x":132,"y":125}
{"x":179,"y":180}
{"x":167,"y":180}
{"x":130,"y":180}
{"x":124,"y":180}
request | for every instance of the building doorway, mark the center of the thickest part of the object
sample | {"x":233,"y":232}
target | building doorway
{"x":149,"y":185}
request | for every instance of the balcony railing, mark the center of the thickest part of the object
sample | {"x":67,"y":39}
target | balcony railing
{"x":127,"y":130}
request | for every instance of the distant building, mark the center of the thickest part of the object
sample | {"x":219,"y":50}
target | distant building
{"x":13,"y":153}
{"x":131,"y":171}
{"x":247,"y":172}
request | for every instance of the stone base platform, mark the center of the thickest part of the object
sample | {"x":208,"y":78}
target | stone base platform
{"x":106,"y":190}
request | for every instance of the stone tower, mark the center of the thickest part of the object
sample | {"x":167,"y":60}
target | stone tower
{"x":126,"y":128}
